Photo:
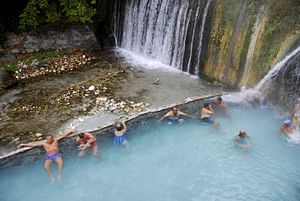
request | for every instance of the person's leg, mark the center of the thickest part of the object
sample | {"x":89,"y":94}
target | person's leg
{"x":59,"y":162}
{"x":81,"y":153}
{"x":47,"y":166}
{"x":95,"y":151}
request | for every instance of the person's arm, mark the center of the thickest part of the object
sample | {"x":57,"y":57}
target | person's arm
{"x":163,"y":117}
{"x":92,"y":138}
{"x":185,"y":114}
{"x":212,"y":111}
{"x":234,"y":141}
{"x":65,"y":134}
{"x":124,"y":125}
{"x":31,"y":145}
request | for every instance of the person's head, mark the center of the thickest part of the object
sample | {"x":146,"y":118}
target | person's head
{"x":49,"y":139}
{"x":298,"y":100}
{"x":219,"y":99}
{"x":206,"y":105}
{"x":174,"y":110}
{"x":242,"y":134}
{"x":81,"y":135}
{"x":119,"y":126}
{"x":287,"y":123}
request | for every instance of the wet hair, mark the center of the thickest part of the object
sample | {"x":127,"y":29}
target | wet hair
{"x":242,"y":134}
{"x":175,"y":108}
{"x":49,"y":135}
{"x":219,"y":98}
{"x":81,"y":135}
{"x":119,"y":126}
{"x":206,"y":105}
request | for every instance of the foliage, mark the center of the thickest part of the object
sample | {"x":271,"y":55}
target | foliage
{"x":39,"y":12}
{"x":29,"y":59}
{"x":283,"y":20}
{"x":12,"y":67}
{"x":40,"y":56}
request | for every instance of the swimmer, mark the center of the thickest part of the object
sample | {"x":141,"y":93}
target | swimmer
{"x":50,"y":144}
{"x":241,"y":140}
{"x":207,"y":115}
{"x":87,"y":141}
{"x":220,"y":105}
{"x":286,"y":128}
{"x":173,"y":115}
{"x":120,"y":134}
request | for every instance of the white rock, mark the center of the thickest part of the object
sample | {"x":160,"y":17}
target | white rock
{"x":92,"y":88}
{"x":38,"y":134}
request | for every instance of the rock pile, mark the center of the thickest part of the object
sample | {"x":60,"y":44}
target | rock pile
{"x":70,"y":62}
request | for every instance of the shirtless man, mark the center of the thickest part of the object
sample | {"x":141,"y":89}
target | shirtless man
{"x":220,"y":105}
{"x":85,"y":141}
{"x":207,"y":115}
{"x":173,"y":115}
{"x":50,"y":144}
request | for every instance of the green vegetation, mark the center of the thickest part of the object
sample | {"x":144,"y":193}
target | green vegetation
{"x":40,"y":56}
{"x":12,"y":67}
{"x":39,"y":12}
{"x":29,"y":59}
{"x":283,"y":20}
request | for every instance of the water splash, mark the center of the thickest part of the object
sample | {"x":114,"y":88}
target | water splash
{"x":294,"y":138}
{"x":273,"y":72}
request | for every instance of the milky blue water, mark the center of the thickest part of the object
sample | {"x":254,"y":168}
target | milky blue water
{"x":186,"y":162}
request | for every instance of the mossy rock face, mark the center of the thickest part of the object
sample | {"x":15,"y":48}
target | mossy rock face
{"x":247,"y":38}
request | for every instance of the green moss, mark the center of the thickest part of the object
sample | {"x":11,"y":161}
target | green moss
{"x":39,"y":56}
{"x":284,"y":19}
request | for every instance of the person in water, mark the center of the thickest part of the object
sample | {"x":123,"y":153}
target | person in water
{"x":241,"y":140}
{"x":287,"y":127}
{"x":50,"y":144}
{"x":296,"y":113}
{"x":120,"y":133}
{"x":207,"y":115}
{"x":87,"y":141}
{"x":220,"y":105}
{"x":173,"y":116}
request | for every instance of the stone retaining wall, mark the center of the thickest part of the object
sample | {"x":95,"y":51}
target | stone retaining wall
{"x":68,"y":145}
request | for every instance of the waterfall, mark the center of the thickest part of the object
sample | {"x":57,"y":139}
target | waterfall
{"x":169,"y":31}
{"x":281,"y":85}
{"x":273,"y":72}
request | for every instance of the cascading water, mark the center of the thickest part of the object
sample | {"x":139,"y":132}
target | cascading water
{"x":274,"y":71}
{"x":169,"y":31}
{"x":283,"y":86}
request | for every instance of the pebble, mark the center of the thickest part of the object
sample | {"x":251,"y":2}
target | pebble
{"x":92,"y":88}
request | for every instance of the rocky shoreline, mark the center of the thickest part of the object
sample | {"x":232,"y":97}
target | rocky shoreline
{"x":24,"y":119}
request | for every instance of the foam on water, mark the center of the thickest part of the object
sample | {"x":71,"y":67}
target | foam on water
{"x":190,"y":161}
{"x":140,"y":61}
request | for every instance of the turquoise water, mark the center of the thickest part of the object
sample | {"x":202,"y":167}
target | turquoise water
{"x":187,"y":162}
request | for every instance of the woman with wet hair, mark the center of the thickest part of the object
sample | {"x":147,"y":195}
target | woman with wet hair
{"x":120,"y":133}
{"x":242,"y":140}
